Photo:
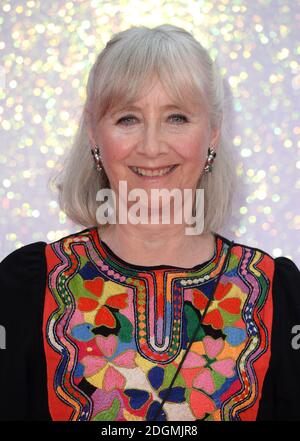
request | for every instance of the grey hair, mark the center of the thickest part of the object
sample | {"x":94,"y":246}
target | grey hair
{"x":122,"y":69}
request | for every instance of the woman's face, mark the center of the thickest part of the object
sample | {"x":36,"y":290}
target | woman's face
{"x":154,"y":134}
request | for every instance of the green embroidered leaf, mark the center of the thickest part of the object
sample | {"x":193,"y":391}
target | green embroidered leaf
{"x":264,"y":291}
{"x":187,"y":394}
{"x":169,"y":373}
{"x":109,"y":414}
{"x":219,"y":380}
{"x":233,"y":262}
{"x":83,"y":261}
{"x":229,"y":319}
{"x":77,"y":288}
{"x":192,"y":322}
{"x":125,"y":332}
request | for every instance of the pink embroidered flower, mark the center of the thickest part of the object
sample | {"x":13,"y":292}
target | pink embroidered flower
{"x":200,"y":375}
{"x":93,"y":365}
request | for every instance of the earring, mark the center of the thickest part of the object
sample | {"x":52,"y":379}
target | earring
{"x":210,"y":159}
{"x":97,"y":158}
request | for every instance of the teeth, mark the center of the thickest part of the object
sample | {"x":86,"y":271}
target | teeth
{"x":144,"y":172}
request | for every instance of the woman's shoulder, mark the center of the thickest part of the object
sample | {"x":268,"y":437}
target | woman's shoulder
{"x":283,"y":266}
{"x":286,"y":269}
{"x":28,"y":256}
{"x":286,"y":289}
{"x":25,"y":269}
{"x":25,"y":255}
{"x":282,"y":272}
{"x":245,"y":246}
{"x":22,"y":273}
{"x":23,"y":262}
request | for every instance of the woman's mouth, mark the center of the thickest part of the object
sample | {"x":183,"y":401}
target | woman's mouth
{"x":153,"y":173}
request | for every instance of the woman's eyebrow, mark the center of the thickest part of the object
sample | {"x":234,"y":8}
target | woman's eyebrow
{"x":166,"y":106}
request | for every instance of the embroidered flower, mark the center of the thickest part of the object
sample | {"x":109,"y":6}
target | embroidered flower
{"x":205,"y":374}
{"x":204,"y":366}
{"x":101,"y":372}
{"x":225,"y":304}
{"x":105,"y":295}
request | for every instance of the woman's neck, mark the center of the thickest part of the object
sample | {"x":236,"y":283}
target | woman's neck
{"x":158,"y":244}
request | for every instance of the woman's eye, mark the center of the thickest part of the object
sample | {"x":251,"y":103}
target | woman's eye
{"x":182,"y":117}
{"x":125,"y":119}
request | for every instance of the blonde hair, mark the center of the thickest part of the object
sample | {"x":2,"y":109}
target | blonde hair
{"x":121,"y":71}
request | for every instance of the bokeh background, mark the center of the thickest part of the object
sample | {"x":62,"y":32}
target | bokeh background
{"x":47,"y":49}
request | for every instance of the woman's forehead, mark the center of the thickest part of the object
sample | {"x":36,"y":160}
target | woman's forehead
{"x":182,"y":102}
{"x":181,"y":96}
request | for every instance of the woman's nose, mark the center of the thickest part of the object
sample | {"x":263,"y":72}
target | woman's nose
{"x":152,"y":143}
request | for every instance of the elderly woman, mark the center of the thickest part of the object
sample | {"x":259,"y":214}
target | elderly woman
{"x":139,"y":320}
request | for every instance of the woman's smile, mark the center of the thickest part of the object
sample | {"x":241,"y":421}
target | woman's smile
{"x":153,"y":173}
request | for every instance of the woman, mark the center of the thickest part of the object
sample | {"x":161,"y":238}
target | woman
{"x":141,"y":321}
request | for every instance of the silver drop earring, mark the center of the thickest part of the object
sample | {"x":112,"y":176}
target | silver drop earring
{"x":210,"y":160}
{"x":96,"y":153}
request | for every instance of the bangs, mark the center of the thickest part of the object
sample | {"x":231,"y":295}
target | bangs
{"x":135,"y":71}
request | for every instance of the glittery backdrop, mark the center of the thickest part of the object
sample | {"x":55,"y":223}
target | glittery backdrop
{"x":47,"y":48}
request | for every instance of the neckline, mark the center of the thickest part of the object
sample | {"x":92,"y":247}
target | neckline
{"x":108,"y":254}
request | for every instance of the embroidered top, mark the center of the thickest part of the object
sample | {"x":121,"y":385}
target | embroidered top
{"x":92,"y":337}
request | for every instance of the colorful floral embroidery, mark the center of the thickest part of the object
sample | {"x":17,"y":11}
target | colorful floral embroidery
{"x":101,"y":302}
{"x":226,"y":305}
{"x":114,"y":336}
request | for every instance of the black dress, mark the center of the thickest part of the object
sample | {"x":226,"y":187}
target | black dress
{"x":23,"y":372}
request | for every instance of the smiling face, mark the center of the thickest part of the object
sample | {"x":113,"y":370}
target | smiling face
{"x":154,"y":136}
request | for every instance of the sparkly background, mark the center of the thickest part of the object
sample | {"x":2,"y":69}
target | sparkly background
{"x":47,"y":49}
